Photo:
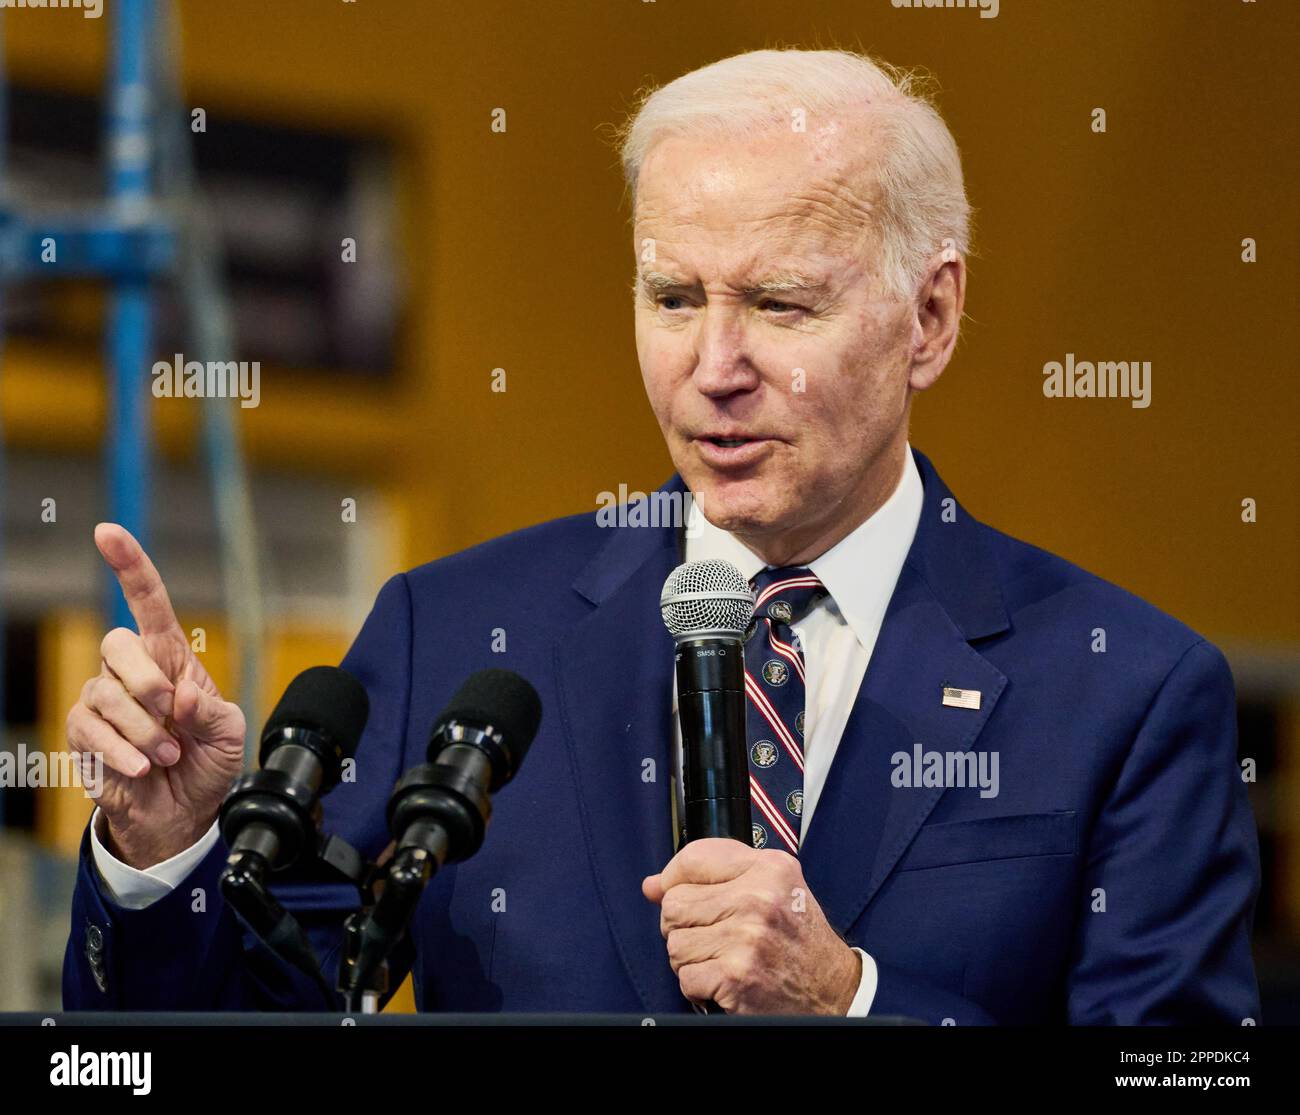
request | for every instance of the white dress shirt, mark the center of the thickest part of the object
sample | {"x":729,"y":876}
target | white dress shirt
{"x":837,"y":636}
{"x":135,"y":889}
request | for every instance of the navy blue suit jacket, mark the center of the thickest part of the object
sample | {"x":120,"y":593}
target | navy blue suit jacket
{"x":1111,"y":880}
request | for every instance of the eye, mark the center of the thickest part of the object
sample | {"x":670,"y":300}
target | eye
{"x":665,"y":299}
{"x":782,"y":307}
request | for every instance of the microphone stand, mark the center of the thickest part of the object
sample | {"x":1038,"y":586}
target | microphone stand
{"x":371,"y":933}
{"x":244,"y":888}
{"x":433,"y":807}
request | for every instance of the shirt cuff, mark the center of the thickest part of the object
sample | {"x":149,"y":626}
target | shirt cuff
{"x":134,"y":889}
{"x":861,"y":1004}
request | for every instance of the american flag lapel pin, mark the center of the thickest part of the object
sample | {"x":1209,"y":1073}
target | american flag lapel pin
{"x":961,"y":698}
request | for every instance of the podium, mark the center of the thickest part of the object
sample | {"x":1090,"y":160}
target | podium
{"x":229,"y":1019}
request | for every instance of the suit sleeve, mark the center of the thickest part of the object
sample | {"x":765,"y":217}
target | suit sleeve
{"x":187,"y":950}
{"x":900,"y":993}
{"x":1172,"y":870}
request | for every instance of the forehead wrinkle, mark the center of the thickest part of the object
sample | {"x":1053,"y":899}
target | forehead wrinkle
{"x":835,"y":208}
{"x":821,"y":222}
{"x":751,"y":278}
{"x":838,"y":183}
{"x":783,"y":272}
{"x":820,"y":218}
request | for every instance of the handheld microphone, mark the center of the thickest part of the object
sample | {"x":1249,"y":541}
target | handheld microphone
{"x":439,"y":811}
{"x":707,"y":607}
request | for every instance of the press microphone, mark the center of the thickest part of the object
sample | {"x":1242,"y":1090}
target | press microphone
{"x":476,"y":746}
{"x":439,"y":813}
{"x":273,"y":813}
{"x":707,"y":607}
{"x":272,"y":816}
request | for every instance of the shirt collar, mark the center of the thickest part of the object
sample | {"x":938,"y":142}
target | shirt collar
{"x":860,"y":571}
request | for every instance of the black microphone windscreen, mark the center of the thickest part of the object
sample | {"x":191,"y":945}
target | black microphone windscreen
{"x":501,"y":699}
{"x":327,"y":700}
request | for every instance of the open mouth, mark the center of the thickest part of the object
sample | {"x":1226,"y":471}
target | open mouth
{"x":733,"y":452}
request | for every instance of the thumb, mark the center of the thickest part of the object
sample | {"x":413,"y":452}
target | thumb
{"x":207,"y":718}
{"x":652,"y":888}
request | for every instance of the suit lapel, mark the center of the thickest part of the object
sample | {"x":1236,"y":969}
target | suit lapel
{"x":614,"y":670}
{"x":947,"y":595}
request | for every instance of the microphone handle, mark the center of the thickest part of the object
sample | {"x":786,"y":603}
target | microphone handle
{"x":715,"y":755}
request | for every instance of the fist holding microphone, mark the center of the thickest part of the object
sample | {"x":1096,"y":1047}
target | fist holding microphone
{"x":171,"y":745}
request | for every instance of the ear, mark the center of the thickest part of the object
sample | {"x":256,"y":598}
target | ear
{"x":938,"y":318}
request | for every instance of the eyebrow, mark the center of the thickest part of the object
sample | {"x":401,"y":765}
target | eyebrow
{"x":784,"y":282}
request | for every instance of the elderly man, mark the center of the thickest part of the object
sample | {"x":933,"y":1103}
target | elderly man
{"x":967,"y":807}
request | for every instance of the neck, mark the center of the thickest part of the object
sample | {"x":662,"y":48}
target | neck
{"x":807,"y":542}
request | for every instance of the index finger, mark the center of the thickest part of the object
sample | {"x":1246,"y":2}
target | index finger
{"x":145,"y":593}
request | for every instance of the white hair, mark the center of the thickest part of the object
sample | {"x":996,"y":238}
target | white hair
{"x":922,"y":207}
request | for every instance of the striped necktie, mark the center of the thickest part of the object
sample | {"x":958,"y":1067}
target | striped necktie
{"x":774,"y":717}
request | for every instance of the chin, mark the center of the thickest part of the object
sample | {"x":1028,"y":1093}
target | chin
{"x":738,"y":506}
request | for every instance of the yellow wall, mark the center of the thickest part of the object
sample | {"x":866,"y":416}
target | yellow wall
{"x":1112,"y":247}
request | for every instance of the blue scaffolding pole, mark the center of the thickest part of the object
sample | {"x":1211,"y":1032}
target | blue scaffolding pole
{"x":4,"y":488}
{"x":131,"y":245}
{"x":126,"y":243}
{"x":130,"y":329}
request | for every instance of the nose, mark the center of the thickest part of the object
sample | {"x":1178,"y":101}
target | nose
{"x":722,"y":356}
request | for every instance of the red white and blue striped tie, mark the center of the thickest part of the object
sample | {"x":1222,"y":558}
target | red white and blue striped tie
{"x":774,"y":719}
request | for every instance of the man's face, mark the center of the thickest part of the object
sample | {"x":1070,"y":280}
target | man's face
{"x":774,"y":362}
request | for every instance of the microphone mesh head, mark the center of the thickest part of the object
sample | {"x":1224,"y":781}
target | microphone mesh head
{"x":706,"y":598}
{"x":325,"y":699}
